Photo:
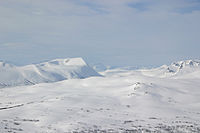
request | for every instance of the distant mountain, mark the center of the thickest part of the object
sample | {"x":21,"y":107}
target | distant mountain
{"x":73,"y":68}
{"x":51,"y":71}
{"x":99,"y":67}
{"x":180,"y":68}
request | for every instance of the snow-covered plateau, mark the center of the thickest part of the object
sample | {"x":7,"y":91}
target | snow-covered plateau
{"x":67,"y":95}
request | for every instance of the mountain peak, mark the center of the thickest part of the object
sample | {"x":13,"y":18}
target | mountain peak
{"x":179,"y":68}
{"x":50,"y":71}
{"x":186,"y":63}
{"x":67,"y":62}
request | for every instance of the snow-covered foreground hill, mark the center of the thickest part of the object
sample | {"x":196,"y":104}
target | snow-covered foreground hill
{"x":51,"y":71}
{"x":121,"y":101}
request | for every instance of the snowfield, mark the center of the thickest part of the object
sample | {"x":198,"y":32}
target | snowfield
{"x":164,"y":99}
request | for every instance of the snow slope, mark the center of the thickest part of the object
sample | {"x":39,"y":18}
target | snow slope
{"x":51,"y":71}
{"x":120,"y":101}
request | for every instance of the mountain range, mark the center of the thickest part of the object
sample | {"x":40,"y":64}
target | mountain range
{"x":73,"y":97}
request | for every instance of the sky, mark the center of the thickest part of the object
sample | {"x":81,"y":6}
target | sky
{"x":137,"y":33}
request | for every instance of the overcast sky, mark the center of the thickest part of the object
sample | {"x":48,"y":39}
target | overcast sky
{"x":112,"y":32}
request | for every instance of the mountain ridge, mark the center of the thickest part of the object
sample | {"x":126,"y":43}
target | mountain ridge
{"x":175,"y":69}
{"x":71,"y":68}
{"x":50,"y":71}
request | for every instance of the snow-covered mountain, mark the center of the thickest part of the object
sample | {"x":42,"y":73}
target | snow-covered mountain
{"x":70,"y":68}
{"x":121,"y":101}
{"x":51,"y":71}
{"x":99,"y":67}
{"x":178,"y":69}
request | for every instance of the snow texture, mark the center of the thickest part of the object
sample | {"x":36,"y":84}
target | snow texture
{"x":128,"y":101}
